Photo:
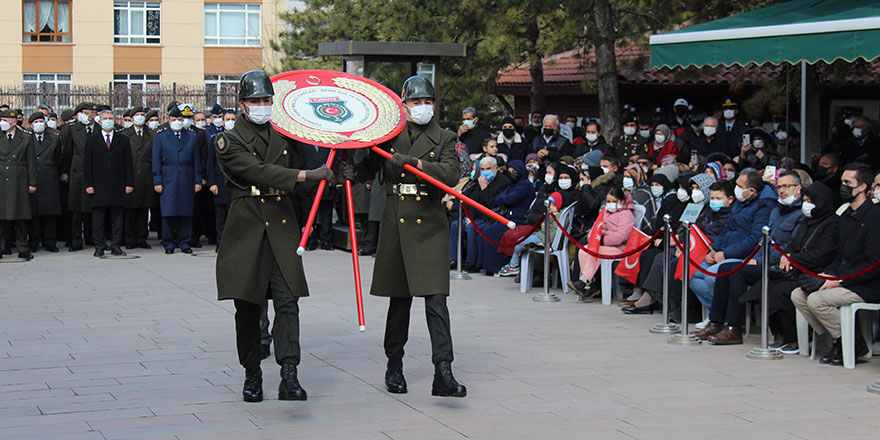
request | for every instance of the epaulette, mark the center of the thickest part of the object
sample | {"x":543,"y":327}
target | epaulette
{"x":160,"y":129}
{"x":25,"y":130}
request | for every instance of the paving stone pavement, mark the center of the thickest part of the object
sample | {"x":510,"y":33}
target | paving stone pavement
{"x":141,"y":348}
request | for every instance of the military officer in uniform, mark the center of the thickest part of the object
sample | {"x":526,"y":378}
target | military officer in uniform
{"x":411,"y":258}
{"x":138,"y":203}
{"x":46,"y":202}
{"x":78,"y":202}
{"x":258,"y":256}
{"x":18,"y":178}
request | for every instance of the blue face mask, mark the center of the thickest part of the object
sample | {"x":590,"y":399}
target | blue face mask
{"x":716,"y":205}
{"x":489,"y":175}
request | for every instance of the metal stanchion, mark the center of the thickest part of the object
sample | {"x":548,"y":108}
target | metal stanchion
{"x":763,"y":352}
{"x":665,"y":327}
{"x":546,"y":296}
{"x":459,"y":274}
{"x":874,"y":387}
{"x":684,"y":338}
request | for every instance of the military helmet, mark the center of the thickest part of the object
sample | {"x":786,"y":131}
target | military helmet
{"x":417,"y":87}
{"x":255,"y":84}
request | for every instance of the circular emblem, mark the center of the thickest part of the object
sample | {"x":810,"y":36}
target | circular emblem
{"x":335,"y":109}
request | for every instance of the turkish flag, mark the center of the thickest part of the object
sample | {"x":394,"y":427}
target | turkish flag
{"x":700,"y":246}
{"x":628,"y":268}
{"x":596,"y":233}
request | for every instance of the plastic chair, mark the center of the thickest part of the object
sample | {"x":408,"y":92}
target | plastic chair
{"x":610,"y":281}
{"x":847,"y":331}
{"x":559,"y":250}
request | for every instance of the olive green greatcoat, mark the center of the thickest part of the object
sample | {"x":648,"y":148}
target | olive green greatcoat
{"x":412,"y":257}
{"x":18,"y":170}
{"x":74,"y":151}
{"x":258,"y":229}
{"x":143,"y":195}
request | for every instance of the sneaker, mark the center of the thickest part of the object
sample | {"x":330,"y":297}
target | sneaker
{"x":702,"y":324}
{"x":508,"y":271}
{"x":790,"y":348}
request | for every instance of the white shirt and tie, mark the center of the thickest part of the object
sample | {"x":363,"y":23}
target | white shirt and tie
{"x":108,"y":137}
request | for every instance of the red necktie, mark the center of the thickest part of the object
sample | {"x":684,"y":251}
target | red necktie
{"x":108,"y":141}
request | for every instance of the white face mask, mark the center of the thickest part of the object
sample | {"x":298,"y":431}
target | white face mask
{"x":107,"y":124}
{"x":629,"y":131}
{"x":421,"y":114}
{"x":98,"y":118}
{"x":857,"y":132}
{"x":548,"y":179}
{"x":51,"y":124}
{"x":729,"y":114}
{"x":656,"y":191}
{"x":175,"y":125}
{"x":570,"y":125}
{"x":259,"y":114}
{"x":606,"y":170}
{"x":730,"y":174}
{"x":628,"y":183}
{"x":39,"y":127}
{"x":592,"y":137}
{"x":126,"y":124}
{"x":82,"y":118}
{"x":659,"y":139}
{"x":218,"y":122}
{"x":468,"y":122}
{"x":807,"y":209}
{"x":153,"y":125}
{"x":229,"y":125}
{"x":612,"y":207}
{"x":781,"y":135}
{"x":709,"y":131}
{"x":758,"y":143}
{"x":139,"y":120}
{"x":787,"y":201}
{"x":5,"y":126}
{"x":738,"y":193}
{"x":644,"y":133}
{"x":201,"y":124}
{"x":848,"y":121}
{"x":697,"y":195}
{"x":564,"y":184}
{"x":682,"y":195}
{"x":187,"y":122}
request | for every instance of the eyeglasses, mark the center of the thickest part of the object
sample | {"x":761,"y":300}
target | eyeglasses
{"x":788,"y":186}
{"x":875,"y":186}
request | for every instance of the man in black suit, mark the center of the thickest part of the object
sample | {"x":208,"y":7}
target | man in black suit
{"x":731,"y":130}
{"x":315,"y":157}
{"x":108,"y":176}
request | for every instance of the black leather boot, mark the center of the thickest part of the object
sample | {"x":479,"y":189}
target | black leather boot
{"x":445,"y":384}
{"x":394,"y":380}
{"x":253,"y":385}
{"x":835,"y":354}
{"x":289,"y":388}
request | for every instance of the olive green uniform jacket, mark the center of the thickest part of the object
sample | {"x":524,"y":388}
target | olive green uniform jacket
{"x":412,"y":257}
{"x":259,"y":228}
{"x":18,"y":170}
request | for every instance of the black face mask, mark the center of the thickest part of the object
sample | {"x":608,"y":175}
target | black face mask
{"x":680,"y":111}
{"x":846,"y":193}
{"x":821,"y":171}
{"x":514,"y":176}
{"x":507,"y":132}
{"x":548,"y":132}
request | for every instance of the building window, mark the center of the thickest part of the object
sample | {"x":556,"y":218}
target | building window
{"x":52,"y":89}
{"x":221,"y":89}
{"x":135,"y":89}
{"x":232,"y":24}
{"x":136,"y":22}
{"x":46,"y":21}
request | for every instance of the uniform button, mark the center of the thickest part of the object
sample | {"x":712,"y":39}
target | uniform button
{"x":431,"y":154}
{"x":402,"y":174}
{"x":267,"y":224}
{"x":278,"y":199}
{"x":284,"y":221}
{"x":401,"y":197}
{"x":262,"y":200}
{"x":418,"y":198}
{"x":284,"y":153}
{"x":392,"y":150}
{"x":418,"y":221}
{"x":402,"y":221}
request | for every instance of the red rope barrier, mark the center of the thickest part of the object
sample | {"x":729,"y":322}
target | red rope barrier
{"x":535,"y":227}
{"x":722,"y":274}
{"x":825,"y":277}
{"x":634,"y":251}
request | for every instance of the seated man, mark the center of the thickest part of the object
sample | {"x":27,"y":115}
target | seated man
{"x":488,"y":184}
{"x":858,"y":247}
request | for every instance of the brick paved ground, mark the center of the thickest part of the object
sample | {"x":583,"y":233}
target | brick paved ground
{"x":101,"y":349}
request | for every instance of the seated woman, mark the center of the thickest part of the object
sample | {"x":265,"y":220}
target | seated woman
{"x":616,"y":227}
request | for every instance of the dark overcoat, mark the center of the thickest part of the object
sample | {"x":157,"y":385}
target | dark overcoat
{"x":47,"y":200}
{"x":177,"y":167}
{"x":143,"y":195}
{"x":18,"y":170}
{"x":74,"y":149}
{"x":107,"y":170}
{"x":213,"y":174}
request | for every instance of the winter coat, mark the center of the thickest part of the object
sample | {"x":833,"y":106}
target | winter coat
{"x":107,"y":170}
{"x":556,"y":147}
{"x":744,"y":229}
{"x":516,"y":198}
{"x":143,"y":195}
{"x":617,"y":225}
{"x":177,"y":167}
{"x":858,"y":246}
{"x":18,"y":170}
{"x":516,"y":149}
{"x":783,"y":220}
{"x":486,"y":197}
{"x":47,"y":200}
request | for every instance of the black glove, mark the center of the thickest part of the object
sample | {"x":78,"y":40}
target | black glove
{"x":399,"y":160}
{"x":348,"y":172}
{"x":319,"y":174}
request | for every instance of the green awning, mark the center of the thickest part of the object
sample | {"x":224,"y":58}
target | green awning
{"x":794,"y":31}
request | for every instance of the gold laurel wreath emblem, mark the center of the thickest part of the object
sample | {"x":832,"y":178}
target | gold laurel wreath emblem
{"x":387,"y":118}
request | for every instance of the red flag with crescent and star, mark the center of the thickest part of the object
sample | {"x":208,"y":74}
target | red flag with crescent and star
{"x":700,"y":247}
{"x":596,"y":233}
{"x":628,"y":268}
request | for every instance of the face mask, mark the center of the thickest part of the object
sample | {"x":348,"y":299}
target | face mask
{"x":218,"y":122}
{"x":126,"y":124}
{"x":781,"y":135}
{"x":259,"y":114}
{"x":82,"y":118}
{"x":39,"y":127}
{"x":629,"y":131}
{"x":153,"y":125}
{"x":606,"y":170}
{"x":628,"y":183}
{"x":570,"y":125}
{"x":807,"y":209}
{"x":848,"y":122}
{"x":421,"y":114}
{"x":536,"y":124}
{"x":709,"y":131}
{"x":730,"y":174}
{"x":857,"y":132}
{"x":564,"y":184}
{"x":729,"y":114}
{"x":787,"y":201}
{"x":228,"y":125}
{"x":738,"y":193}
{"x":682,"y":195}
{"x":697,"y":196}
{"x":107,"y":124}
{"x":51,"y":124}
{"x":716,"y":205}
{"x":656,"y":191}
{"x":758,"y":143}
{"x":680,"y":111}
{"x":548,"y":132}
{"x":846,"y":193}
{"x":514,"y":176}
{"x":508,"y":132}
{"x":612,"y":207}
{"x":469,"y":123}
{"x":645,"y":169}
{"x":659,"y":139}
{"x":201,"y":124}
{"x":548,"y":179}
{"x":98,"y":119}
{"x":534,"y":168}
{"x":592,"y":137}
{"x":176,"y":125}
{"x":5,"y":126}
{"x":187,"y":122}
{"x":644,"y":133}
{"x":139,"y":120}
{"x":585,"y":167}
{"x":488,"y":174}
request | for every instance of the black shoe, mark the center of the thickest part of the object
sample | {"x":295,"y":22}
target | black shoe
{"x":7,"y":251}
{"x":117,"y":252}
{"x":187,"y":251}
{"x":579,"y":287}
{"x":326,"y":246}
{"x":633,"y":310}
{"x":169,"y":251}
{"x":253,"y":385}
{"x":266,"y":350}
{"x":99,"y":253}
{"x":311,"y":246}
{"x":469,"y":267}
{"x":394,"y":380}
{"x":26,"y":256}
{"x":366,"y":252}
{"x":34,"y":248}
{"x":195,"y":244}
{"x":74,"y":248}
{"x":836,"y":353}
{"x":861,"y":349}
{"x":130,"y":246}
{"x":445,"y":384}
{"x":144,"y":245}
{"x":52,"y":248}
{"x":289,"y":388}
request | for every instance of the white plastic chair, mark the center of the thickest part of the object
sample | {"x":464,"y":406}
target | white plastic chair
{"x":558,"y":244}
{"x":847,"y":331}
{"x":610,"y":281}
